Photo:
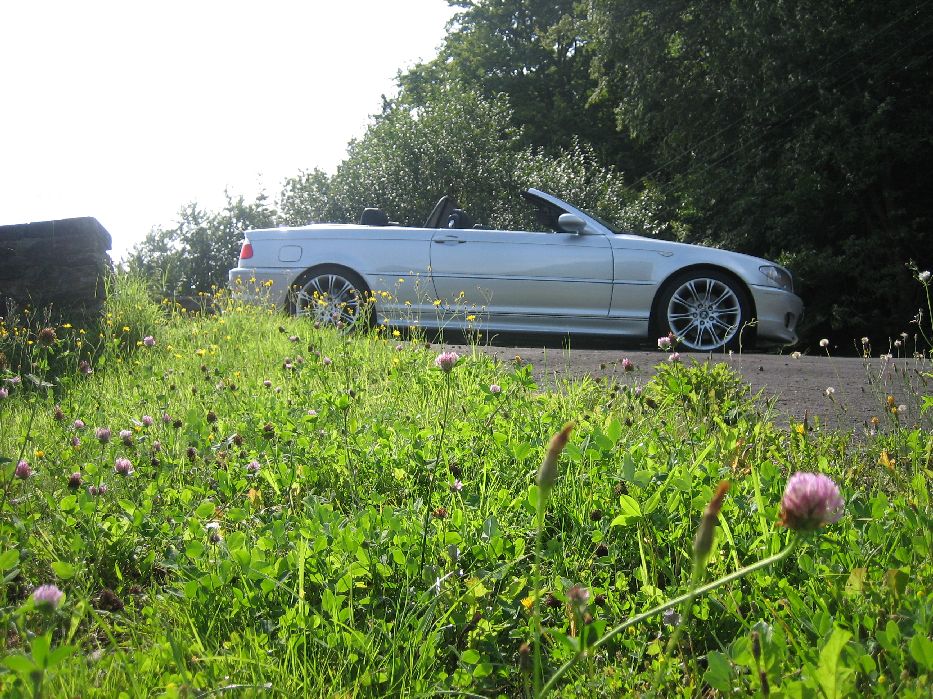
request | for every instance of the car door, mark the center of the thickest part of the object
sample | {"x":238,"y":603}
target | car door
{"x":523,"y":280}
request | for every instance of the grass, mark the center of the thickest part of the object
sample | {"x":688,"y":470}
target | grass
{"x":319,"y":514}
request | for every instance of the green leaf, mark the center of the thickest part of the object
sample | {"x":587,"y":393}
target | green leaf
{"x":8,"y":560}
{"x":602,"y":441}
{"x":531,"y":499}
{"x":921,"y":650}
{"x":59,"y":654}
{"x":68,"y":503}
{"x":20,"y":663}
{"x":630,"y":511}
{"x":470,"y":656}
{"x":483,"y":670}
{"x":40,"y":650}
{"x":205,"y":509}
{"x":628,"y":467}
{"x":236,"y":540}
{"x":829,"y":674}
{"x":718,"y":673}
{"x":614,"y":430}
{"x":64,"y":570}
{"x":194,"y":549}
{"x":522,"y":451}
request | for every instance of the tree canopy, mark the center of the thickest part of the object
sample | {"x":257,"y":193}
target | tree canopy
{"x":797,"y":130}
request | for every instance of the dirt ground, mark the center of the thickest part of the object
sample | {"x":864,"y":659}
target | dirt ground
{"x":859,"y":386}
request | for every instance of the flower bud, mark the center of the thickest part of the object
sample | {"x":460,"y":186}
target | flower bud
{"x":547,"y":474}
{"x":703,"y":543}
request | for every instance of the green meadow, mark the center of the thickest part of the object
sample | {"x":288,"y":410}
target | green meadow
{"x":239,"y":504}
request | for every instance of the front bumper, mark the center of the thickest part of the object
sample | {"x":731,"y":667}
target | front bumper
{"x":778,"y":313}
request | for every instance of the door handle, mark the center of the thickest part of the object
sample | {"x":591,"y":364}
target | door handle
{"x":449,"y":239}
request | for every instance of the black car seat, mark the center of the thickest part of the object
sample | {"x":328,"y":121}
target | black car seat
{"x":459,"y":219}
{"x":374,"y":217}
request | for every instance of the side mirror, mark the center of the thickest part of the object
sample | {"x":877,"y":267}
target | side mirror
{"x":570,"y":223}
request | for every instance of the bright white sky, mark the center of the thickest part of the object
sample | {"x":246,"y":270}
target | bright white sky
{"x":127,"y":110}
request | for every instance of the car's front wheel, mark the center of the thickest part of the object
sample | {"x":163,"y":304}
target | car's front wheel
{"x":331,"y":296}
{"x":705,"y":310}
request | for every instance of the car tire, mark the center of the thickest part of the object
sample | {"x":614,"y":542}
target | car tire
{"x":706,"y":310}
{"x":331,"y":295}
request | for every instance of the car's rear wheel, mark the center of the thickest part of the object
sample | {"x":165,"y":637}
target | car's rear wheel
{"x":705,"y":309}
{"x":331,"y":296}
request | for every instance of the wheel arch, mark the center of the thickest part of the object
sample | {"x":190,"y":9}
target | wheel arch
{"x":319,"y":269}
{"x":672,"y":278}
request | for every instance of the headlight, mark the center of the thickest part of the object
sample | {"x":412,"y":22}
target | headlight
{"x":779,"y":277}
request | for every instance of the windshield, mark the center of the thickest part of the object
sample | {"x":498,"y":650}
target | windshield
{"x":603,"y":222}
{"x":554,"y":206}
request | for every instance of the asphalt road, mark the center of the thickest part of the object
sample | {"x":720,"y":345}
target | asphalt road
{"x":859,"y":386}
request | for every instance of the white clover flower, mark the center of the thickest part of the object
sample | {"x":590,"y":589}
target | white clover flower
{"x":795,"y":355}
{"x":829,"y":391}
{"x":924,"y":276}
{"x":824,"y":343}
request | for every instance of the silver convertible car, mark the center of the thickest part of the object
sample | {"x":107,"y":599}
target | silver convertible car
{"x":576,"y":274}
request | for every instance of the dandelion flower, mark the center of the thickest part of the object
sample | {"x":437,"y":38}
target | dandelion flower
{"x":811,"y":500}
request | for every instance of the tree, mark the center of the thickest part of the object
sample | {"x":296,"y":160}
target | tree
{"x":196,"y":254}
{"x":460,"y":144}
{"x":793,"y":129}
{"x":534,"y":53}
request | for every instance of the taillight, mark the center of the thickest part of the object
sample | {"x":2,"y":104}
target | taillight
{"x":246,"y":251}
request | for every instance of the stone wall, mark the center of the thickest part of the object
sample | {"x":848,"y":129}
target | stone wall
{"x":59,"y":264}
